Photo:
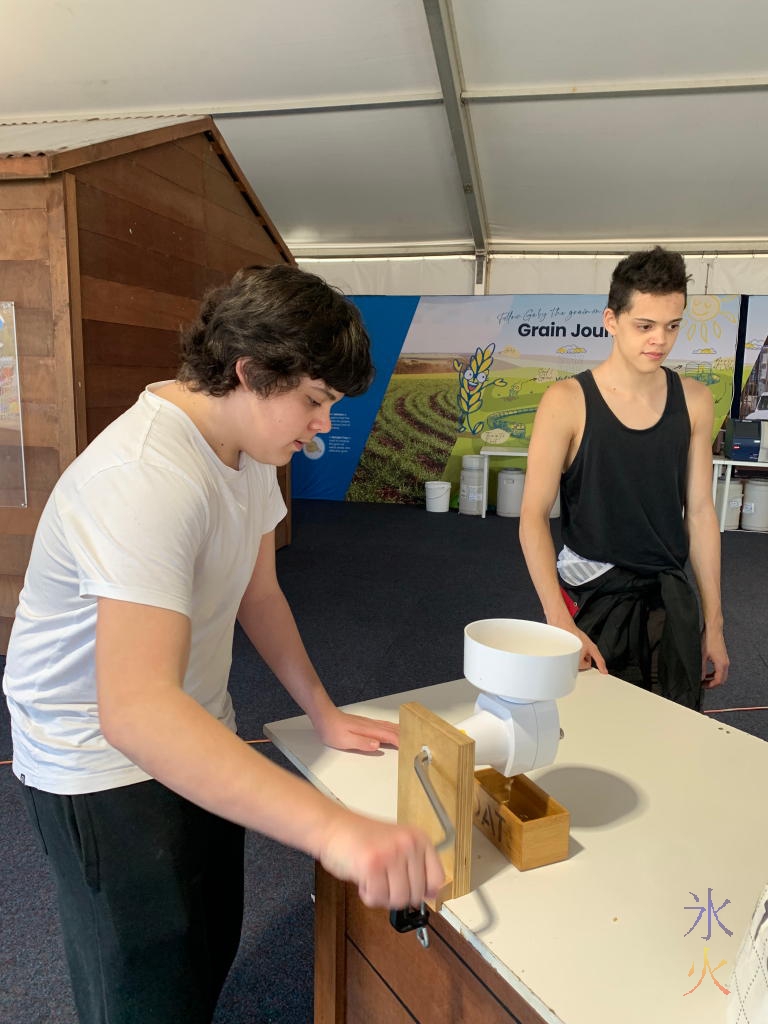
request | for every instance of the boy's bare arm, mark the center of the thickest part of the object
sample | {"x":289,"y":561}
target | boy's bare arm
{"x":268,"y":621}
{"x":704,"y":531}
{"x":141,"y":654}
{"x":555,"y":427}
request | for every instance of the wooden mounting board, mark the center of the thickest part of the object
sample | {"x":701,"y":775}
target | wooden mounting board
{"x":451,"y":773}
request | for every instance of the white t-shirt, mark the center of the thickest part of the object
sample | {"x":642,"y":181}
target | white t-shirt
{"x":148,"y":513}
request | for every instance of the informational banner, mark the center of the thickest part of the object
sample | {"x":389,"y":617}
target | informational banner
{"x":324,"y":469}
{"x":459,"y":373}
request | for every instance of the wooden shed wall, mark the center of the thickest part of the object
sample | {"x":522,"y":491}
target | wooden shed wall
{"x":104,"y":263}
{"x":156,"y":228}
{"x":33,"y":275}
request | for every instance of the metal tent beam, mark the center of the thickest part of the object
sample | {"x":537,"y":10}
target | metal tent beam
{"x":445,"y":48}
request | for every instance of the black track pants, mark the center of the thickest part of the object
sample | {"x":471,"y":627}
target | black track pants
{"x":150,"y":891}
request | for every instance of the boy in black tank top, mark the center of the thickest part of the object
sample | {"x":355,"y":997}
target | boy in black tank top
{"x":628,"y":444}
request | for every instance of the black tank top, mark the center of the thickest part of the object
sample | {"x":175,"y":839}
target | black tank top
{"x":622,"y":497}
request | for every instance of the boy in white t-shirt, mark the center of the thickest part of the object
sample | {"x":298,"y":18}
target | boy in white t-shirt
{"x":153,"y":543}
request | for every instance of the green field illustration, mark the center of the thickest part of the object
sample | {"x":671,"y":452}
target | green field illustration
{"x":418,"y":435}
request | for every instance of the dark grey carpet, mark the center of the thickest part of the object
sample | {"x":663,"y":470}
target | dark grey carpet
{"x":382,"y":594}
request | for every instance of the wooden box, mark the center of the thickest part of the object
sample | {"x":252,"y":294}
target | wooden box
{"x":521,"y":819}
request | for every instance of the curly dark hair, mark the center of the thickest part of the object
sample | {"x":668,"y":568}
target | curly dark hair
{"x":287,"y":324}
{"x":655,"y":272}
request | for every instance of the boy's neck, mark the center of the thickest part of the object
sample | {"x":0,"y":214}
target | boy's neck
{"x":614,"y":374}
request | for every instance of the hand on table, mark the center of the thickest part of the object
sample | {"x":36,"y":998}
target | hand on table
{"x":354,"y":732}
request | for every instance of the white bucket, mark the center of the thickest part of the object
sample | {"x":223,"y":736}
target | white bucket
{"x":754,"y":509}
{"x":438,"y":493}
{"x":471,"y":486}
{"x":733,"y":502}
{"x":509,"y":492}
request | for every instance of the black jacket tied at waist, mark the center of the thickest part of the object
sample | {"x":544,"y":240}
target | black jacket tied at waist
{"x":613,"y":610}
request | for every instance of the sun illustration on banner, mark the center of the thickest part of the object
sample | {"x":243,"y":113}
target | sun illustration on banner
{"x":702,"y":316}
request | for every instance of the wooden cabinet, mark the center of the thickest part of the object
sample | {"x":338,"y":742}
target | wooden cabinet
{"x":367,"y":972}
{"x":106,"y":248}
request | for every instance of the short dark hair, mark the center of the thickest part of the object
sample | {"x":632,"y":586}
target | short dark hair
{"x":287,"y":324}
{"x":655,"y":272}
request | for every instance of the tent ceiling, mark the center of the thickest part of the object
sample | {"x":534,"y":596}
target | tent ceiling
{"x":584,"y":126}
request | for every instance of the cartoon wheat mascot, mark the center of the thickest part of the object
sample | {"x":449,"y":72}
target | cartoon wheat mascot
{"x":473,"y":380}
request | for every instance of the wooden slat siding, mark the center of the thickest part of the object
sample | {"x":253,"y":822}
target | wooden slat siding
{"x":42,"y":468}
{"x":34,"y":276}
{"x":22,"y":522}
{"x":38,"y":377}
{"x":200,"y":146}
{"x":78,"y":357}
{"x":26,"y":282}
{"x":23,"y":195}
{"x":23,"y":234}
{"x":99,"y":418}
{"x":174,"y":164}
{"x":248,"y":234}
{"x":125,"y":345}
{"x":10,"y":588}
{"x":14,"y":554}
{"x":128,"y":180}
{"x":127,"y":263}
{"x":221,"y":189}
{"x":6,"y":625}
{"x":98,"y":151}
{"x":111,"y":388}
{"x":35,"y":326}
{"x":62,"y":324}
{"x":228,"y":258}
{"x":225,"y":154}
{"x":40,"y":422}
{"x":18,"y":167}
{"x":128,"y":304}
{"x":104,"y":214}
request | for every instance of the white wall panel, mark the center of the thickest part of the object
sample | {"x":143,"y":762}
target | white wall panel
{"x":446,"y":275}
{"x":527,"y":275}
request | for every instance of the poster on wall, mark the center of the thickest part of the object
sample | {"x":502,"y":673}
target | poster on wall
{"x":13,"y":481}
{"x":459,"y":373}
{"x":754,"y":382}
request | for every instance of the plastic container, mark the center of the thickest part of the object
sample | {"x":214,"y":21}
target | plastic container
{"x":471,"y":486}
{"x":754,"y":508}
{"x":438,"y":495}
{"x":733,"y":502}
{"x":520,"y":660}
{"x":509,"y":492}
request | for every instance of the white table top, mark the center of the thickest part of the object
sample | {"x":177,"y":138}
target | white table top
{"x":519,"y":453}
{"x":664,"y":803}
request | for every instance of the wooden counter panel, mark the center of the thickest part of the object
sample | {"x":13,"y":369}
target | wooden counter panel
{"x":448,"y":981}
{"x":369,"y":998}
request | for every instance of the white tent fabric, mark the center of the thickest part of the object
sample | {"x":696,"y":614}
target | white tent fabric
{"x":528,"y":275}
{"x":469,"y":129}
